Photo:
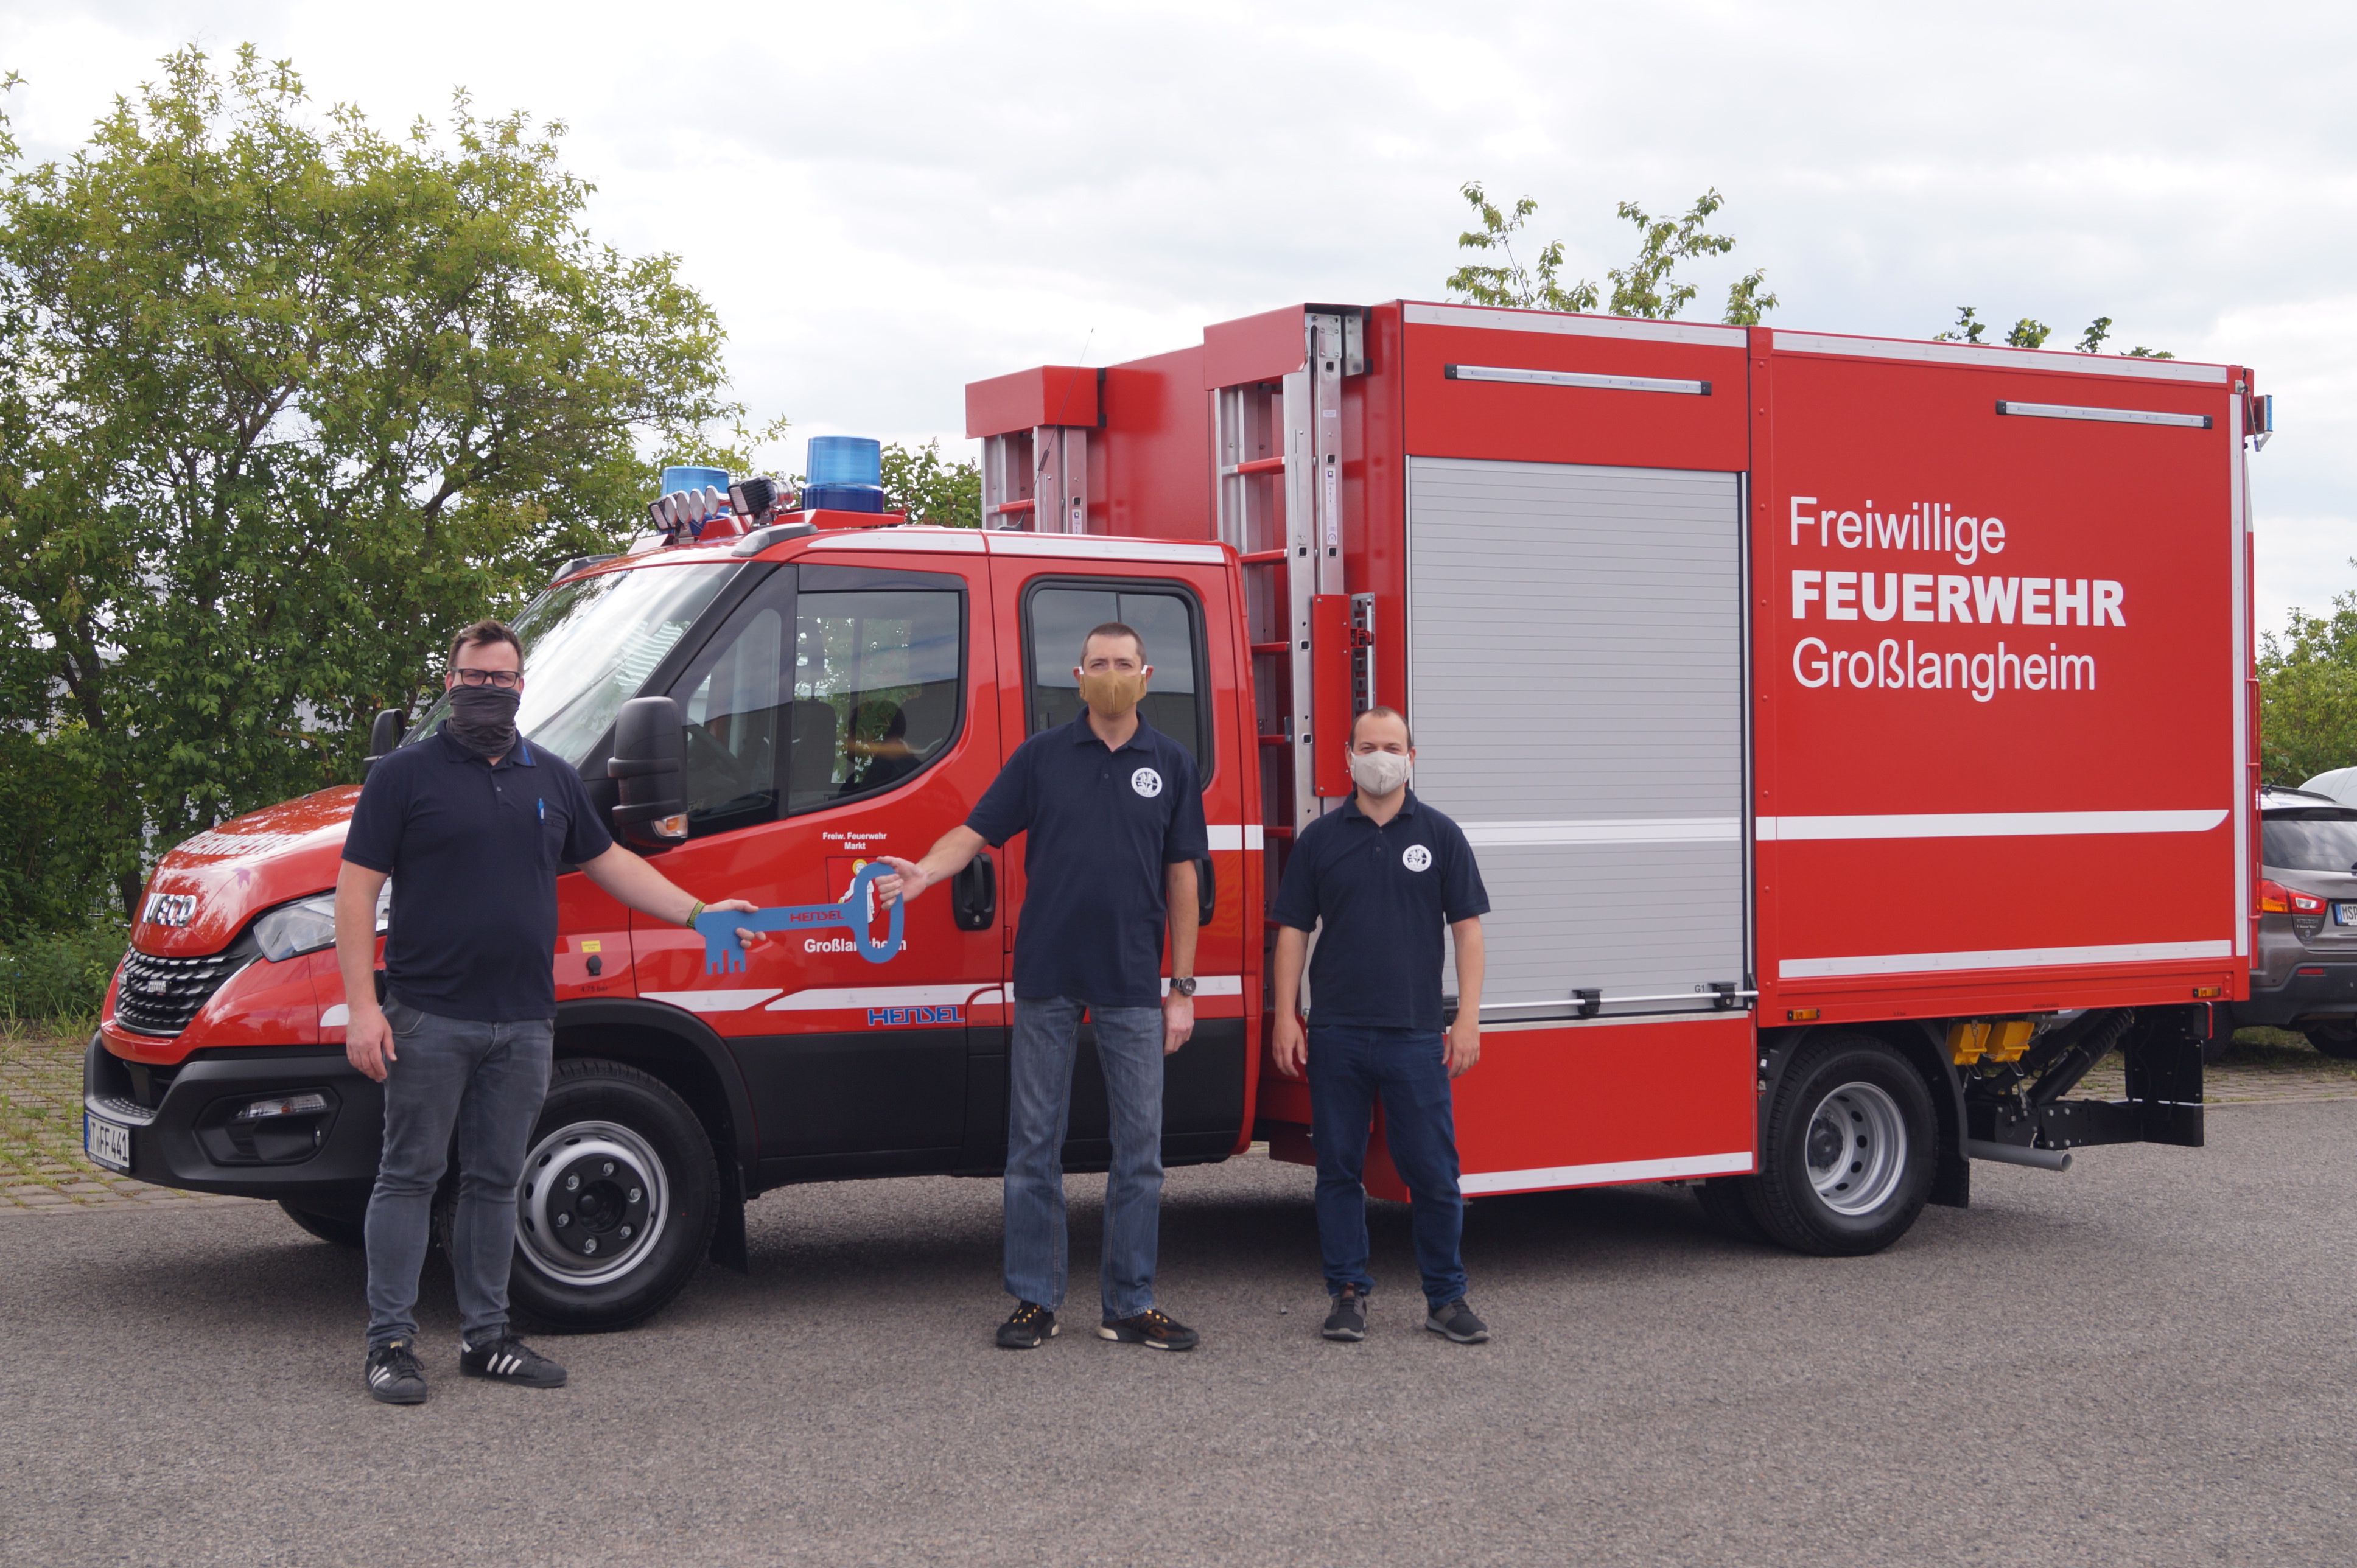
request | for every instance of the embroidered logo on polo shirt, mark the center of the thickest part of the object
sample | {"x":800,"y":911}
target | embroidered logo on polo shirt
{"x":1417,"y":857}
{"x":1147,"y":782}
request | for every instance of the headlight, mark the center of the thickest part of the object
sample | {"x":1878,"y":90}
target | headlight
{"x":305,"y":926}
{"x":309,"y":924}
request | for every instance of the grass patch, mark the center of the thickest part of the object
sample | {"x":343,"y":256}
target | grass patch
{"x":40,"y":1101}
{"x":2279,"y":1050}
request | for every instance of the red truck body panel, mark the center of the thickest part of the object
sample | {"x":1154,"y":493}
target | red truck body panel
{"x":1961,"y":800}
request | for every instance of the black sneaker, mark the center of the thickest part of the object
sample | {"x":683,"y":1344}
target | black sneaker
{"x":1348,"y":1319}
{"x":1030,"y":1327}
{"x":392,"y":1374}
{"x":510,"y":1360}
{"x":1457,"y":1321}
{"x":1150,"y":1329}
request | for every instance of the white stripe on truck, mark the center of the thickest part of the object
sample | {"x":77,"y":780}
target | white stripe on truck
{"x":1474,"y":1184}
{"x":1987,"y":824}
{"x":1998,"y":958}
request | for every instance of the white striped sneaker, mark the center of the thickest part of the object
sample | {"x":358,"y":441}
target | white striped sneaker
{"x":392,"y":1375}
{"x":510,"y":1360}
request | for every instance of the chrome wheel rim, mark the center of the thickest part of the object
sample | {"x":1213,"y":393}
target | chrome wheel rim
{"x":1855,"y":1148}
{"x":593,"y":1203}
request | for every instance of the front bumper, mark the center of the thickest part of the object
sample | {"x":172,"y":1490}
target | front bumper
{"x":2330,"y":992}
{"x":184,"y":1130}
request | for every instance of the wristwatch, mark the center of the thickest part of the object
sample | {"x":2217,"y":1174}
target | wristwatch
{"x":1183,"y":985}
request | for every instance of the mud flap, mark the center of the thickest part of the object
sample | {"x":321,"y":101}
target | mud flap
{"x":728,"y":1224}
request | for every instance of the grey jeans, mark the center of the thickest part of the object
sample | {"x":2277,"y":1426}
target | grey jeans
{"x":485,"y":1082}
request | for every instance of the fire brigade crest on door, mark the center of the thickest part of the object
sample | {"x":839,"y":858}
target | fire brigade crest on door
{"x":723,"y":954}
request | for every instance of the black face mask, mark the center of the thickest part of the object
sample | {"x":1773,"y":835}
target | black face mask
{"x":482,"y":719}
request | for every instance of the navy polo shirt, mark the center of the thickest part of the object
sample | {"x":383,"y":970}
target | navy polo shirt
{"x":1104,"y":824}
{"x":1385,"y":893}
{"x":473,"y":852}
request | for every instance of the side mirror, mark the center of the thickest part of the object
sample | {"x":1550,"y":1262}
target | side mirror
{"x":648,"y":739}
{"x":384,"y":736}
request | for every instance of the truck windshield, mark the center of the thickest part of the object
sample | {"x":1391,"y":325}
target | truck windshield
{"x":2308,"y":844}
{"x":590,"y":645}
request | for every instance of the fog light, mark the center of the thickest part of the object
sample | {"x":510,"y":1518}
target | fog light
{"x":285,"y":1106}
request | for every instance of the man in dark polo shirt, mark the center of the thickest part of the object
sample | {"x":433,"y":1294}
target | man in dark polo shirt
{"x":1114,"y":817}
{"x":1377,"y":880}
{"x":471,"y":823}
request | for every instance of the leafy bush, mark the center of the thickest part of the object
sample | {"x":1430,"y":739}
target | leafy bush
{"x":61,"y":974}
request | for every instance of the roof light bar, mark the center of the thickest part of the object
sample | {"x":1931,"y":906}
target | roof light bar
{"x":1574,"y":379}
{"x":2108,"y":415}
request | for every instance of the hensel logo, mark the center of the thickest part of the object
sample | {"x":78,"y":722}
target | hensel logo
{"x":173,"y":909}
{"x":902,"y":1017}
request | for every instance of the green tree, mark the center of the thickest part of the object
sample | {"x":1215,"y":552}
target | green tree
{"x":1647,"y":287}
{"x":2308,"y":694}
{"x":2029,"y":334}
{"x":917,"y":480}
{"x":283,"y":400}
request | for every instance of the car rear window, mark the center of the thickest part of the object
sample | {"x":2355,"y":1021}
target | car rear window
{"x":2308,"y":844}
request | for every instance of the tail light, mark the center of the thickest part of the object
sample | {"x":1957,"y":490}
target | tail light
{"x":2274,"y":898}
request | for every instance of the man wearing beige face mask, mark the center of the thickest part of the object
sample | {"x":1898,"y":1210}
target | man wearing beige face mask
{"x":1113,"y":817}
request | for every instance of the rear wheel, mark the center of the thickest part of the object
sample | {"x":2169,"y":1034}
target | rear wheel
{"x":618,"y":1201}
{"x":1849,"y":1147}
{"x":343,"y":1229}
{"x":2333,"y":1039}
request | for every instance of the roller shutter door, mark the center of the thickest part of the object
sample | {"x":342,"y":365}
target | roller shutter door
{"x":1576,"y":684}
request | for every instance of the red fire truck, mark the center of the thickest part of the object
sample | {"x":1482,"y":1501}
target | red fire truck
{"x":1858,"y":735}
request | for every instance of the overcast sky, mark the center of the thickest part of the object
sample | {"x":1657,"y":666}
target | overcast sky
{"x":886,"y":201}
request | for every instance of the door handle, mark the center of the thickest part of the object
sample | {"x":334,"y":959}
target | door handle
{"x":974,"y":895}
{"x":1207,"y":891}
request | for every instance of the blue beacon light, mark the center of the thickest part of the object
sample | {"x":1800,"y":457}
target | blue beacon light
{"x":692,"y":497}
{"x":846,"y":473}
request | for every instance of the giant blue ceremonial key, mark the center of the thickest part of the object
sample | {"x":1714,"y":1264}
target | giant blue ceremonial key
{"x":723,"y":954}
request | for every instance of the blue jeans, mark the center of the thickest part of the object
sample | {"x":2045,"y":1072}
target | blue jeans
{"x":1348,"y":1067}
{"x":485,"y":1082}
{"x":1040,"y":1109}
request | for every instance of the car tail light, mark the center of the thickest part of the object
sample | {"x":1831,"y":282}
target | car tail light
{"x":2274,"y":898}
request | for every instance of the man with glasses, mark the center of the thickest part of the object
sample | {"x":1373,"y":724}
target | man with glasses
{"x":472,"y":824}
{"x":1113,"y":814}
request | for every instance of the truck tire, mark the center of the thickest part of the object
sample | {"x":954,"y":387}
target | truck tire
{"x":1726,"y":1203}
{"x":2333,"y":1039}
{"x":343,"y":1229}
{"x":1849,"y":1147}
{"x":618,"y":1201}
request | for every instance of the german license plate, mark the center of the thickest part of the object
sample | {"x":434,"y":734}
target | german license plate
{"x":2344,"y":914}
{"x":107,"y":1142}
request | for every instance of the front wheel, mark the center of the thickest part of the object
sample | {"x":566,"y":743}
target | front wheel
{"x":1849,"y":1147}
{"x":618,"y":1201}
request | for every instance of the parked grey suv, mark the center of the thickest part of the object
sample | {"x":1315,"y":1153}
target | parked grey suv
{"x":2304,"y":976}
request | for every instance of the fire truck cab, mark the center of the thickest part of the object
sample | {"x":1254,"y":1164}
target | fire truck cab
{"x":1856,"y":735}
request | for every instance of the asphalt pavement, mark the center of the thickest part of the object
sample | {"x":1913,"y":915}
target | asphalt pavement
{"x":2146,"y":1359}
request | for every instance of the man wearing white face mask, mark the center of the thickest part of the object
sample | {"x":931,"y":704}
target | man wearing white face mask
{"x":1378,"y":880}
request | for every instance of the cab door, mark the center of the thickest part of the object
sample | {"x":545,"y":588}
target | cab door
{"x":1177,"y":600}
{"x":842,"y":712}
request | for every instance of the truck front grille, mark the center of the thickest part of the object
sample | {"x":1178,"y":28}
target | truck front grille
{"x":159,"y":995}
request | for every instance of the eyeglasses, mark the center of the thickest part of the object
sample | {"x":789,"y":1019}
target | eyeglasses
{"x":505,"y":680}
